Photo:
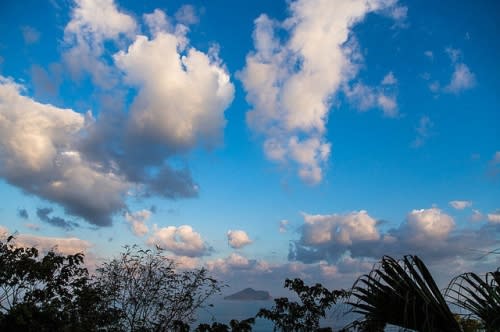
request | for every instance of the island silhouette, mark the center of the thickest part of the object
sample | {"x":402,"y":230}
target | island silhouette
{"x":249,"y":294}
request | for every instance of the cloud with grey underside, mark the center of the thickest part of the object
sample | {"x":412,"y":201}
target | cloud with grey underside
{"x":429,"y":233}
{"x":91,"y":165}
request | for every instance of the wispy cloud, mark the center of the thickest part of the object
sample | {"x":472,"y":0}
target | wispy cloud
{"x":460,"y":205}
{"x":137,"y":221}
{"x":423,"y":131}
{"x":30,"y":34}
{"x":44,"y":215}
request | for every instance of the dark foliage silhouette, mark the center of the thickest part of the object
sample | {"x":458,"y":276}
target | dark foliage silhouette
{"x":304,"y":315}
{"x":48,"y":293}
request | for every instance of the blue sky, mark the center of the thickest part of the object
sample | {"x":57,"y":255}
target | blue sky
{"x":260,"y":139}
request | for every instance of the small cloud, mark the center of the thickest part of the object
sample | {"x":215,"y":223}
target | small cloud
{"x":435,"y":86}
{"x":182,"y":240}
{"x":494,"y":217}
{"x":429,"y":54}
{"x":462,"y":79}
{"x":43,"y":215}
{"x":187,"y":15}
{"x":365,"y":97}
{"x":238,"y":239}
{"x":423,"y":131}
{"x":137,"y":221}
{"x":23,"y":213}
{"x":389,"y":79}
{"x":454,"y":54}
{"x":30,"y":35}
{"x":284,"y":226}
{"x":460,"y":205}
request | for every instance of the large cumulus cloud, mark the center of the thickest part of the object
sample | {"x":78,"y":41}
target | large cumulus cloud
{"x":38,"y":154}
{"x":90,"y":163}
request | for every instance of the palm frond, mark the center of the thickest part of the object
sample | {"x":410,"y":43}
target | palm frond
{"x":402,"y":293}
{"x":480,"y":297}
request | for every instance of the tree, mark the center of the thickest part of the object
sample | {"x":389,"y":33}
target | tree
{"x":151,"y":294}
{"x":304,"y":316}
{"x":235,"y":325}
{"x":401,"y":293}
{"x":47,"y":293}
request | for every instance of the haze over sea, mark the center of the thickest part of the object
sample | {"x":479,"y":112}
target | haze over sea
{"x":225,"y":310}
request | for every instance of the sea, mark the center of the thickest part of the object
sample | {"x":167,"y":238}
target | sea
{"x":223,"y":311}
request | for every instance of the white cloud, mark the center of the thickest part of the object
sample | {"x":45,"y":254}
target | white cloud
{"x":92,"y":23}
{"x":65,"y":246}
{"x":429,"y":224}
{"x":235,"y":263}
{"x":182,"y":92}
{"x":186,"y":262}
{"x":462,"y":79}
{"x":365,"y":97}
{"x":339,"y":229}
{"x":290,"y":82}
{"x":429,"y":233}
{"x":238,"y":239}
{"x":460,"y":205}
{"x":158,"y":22}
{"x":137,"y":221}
{"x":389,"y":79}
{"x":38,"y":153}
{"x":225,"y":265}
{"x":182,"y":240}
{"x":429,"y":54}
{"x":88,"y":165}
{"x":494,"y":217}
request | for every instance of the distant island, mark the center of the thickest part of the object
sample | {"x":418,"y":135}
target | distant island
{"x":249,"y":294}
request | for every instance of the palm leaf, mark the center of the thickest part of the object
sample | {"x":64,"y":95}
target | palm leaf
{"x":402,"y":293}
{"x":480,"y":297}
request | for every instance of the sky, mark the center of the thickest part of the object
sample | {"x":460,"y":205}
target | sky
{"x":258,"y":139}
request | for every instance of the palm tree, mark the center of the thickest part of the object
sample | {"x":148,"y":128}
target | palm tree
{"x":401,"y":293}
{"x":479,"y":297}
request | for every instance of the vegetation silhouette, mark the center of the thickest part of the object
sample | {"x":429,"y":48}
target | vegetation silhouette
{"x":49,"y":293}
{"x":142,"y":291}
